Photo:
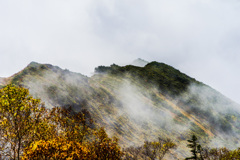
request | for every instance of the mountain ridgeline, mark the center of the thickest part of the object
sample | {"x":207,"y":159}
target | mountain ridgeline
{"x":164,"y":77}
{"x":138,"y":103}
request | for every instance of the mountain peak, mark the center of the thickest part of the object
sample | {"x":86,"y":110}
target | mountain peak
{"x":37,"y":65}
{"x":139,"y":62}
{"x":33,"y":63}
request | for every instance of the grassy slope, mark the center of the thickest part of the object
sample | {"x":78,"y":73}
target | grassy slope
{"x":135,"y":103}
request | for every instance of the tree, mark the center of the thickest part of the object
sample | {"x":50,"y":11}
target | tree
{"x":150,"y":150}
{"x":234,"y":154}
{"x":103,"y":147}
{"x":158,"y":149}
{"x":195,"y":148}
{"x":56,"y":149}
{"x":71,"y":125}
{"x":30,"y":131}
{"x":20,"y":115}
{"x":221,"y":153}
{"x":74,"y":137}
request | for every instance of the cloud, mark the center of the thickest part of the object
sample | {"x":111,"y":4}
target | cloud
{"x":201,"y":38}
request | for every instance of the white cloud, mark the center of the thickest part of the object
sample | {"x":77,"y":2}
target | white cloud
{"x":201,"y":38}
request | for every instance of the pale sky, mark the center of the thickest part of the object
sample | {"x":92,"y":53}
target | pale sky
{"x":199,"y":37}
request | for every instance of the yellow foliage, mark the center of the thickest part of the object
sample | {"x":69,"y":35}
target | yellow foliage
{"x":57,"y":148}
{"x":101,"y":148}
{"x":20,"y":114}
{"x":34,"y":132}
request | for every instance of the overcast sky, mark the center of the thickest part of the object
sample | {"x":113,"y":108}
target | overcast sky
{"x":199,"y":37}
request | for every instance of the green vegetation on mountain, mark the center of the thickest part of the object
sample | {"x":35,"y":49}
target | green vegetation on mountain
{"x":164,"y":77}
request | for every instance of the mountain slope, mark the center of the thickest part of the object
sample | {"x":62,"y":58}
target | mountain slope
{"x":138,"y":103}
{"x":4,"y":81}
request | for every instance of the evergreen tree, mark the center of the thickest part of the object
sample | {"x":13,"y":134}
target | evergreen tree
{"x":195,"y":148}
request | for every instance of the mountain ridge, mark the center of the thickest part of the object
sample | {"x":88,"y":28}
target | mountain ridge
{"x":137,"y":102}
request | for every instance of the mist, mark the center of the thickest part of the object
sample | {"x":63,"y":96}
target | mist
{"x":219,"y":111}
{"x":201,"y":37}
{"x":142,"y":109}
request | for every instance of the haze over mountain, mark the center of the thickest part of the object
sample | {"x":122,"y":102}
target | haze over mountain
{"x":138,"y":103}
{"x":201,"y":37}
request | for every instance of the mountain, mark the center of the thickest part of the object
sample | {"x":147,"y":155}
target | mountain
{"x":139,"y":62}
{"x":1,"y":81}
{"x":4,"y":81}
{"x":138,"y":103}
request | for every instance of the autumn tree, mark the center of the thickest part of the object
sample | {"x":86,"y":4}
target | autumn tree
{"x":30,"y":131}
{"x":56,"y":149}
{"x":75,"y":138}
{"x":73,"y":126}
{"x":132,"y":153}
{"x":234,"y":154}
{"x":221,"y":154}
{"x":103,"y":147}
{"x":158,"y":149}
{"x":150,"y":150}
{"x":20,"y":114}
{"x":60,"y":148}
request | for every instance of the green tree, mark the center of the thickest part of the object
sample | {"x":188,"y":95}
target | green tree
{"x":20,"y":115}
{"x":195,"y":148}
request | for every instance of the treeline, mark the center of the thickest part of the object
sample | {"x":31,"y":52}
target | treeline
{"x":158,"y":149}
{"x":28,"y":130}
{"x":200,"y":153}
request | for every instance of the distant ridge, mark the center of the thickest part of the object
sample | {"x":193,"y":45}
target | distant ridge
{"x":139,"y":62}
{"x":3,"y":81}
